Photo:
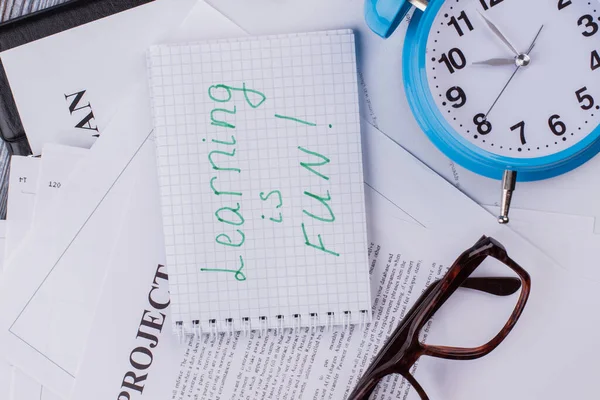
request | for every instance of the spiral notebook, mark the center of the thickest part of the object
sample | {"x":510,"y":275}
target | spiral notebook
{"x":260,"y":170}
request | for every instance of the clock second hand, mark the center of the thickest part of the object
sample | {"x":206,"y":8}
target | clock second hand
{"x":516,"y":70}
{"x":502,"y":92}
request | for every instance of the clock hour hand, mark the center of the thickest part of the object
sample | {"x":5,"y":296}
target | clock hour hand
{"x":496,"y":62}
{"x":499,"y":34}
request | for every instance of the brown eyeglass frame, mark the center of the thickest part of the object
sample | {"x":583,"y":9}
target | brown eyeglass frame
{"x":403,"y":348}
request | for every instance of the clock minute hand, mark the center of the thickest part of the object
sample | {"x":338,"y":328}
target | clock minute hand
{"x":499,"y":34}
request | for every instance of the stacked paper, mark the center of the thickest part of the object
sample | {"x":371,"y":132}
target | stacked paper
{"x":86,"y":250}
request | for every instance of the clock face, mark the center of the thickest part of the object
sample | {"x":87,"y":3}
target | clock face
{"x":517,"y":78}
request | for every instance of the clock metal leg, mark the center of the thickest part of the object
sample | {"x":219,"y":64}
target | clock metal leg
{"x":509,"y":182}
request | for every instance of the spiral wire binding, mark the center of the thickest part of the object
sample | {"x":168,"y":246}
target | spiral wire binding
{"x":297,"y":323}
{"x":263,"y":325}
{"x":228,"y":326}
{"x":179,"y":331}
{"x":196,"y":328}
{"x":330,"y":320}
{"x":347,"y":318}
{"x":247,"y":327}
{"x":314,"y":320}
{"x":280,"y":325}
{"x":363,"y":319}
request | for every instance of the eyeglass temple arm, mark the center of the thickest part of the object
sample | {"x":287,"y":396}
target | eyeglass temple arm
{"x":496,"y":286}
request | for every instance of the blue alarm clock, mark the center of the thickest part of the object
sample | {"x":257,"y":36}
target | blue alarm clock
{"x":509,"y":89}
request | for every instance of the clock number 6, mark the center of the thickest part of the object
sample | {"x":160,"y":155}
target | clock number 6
{"x":556,"y":125}
{"x":581,"y":97}
{"x":455,"y":59}
{"x":456,"y":95}
{"x":483,"y":125}
{"x":521,"y":127}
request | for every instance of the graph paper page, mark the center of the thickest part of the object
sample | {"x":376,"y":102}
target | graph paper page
{"x":260,"y":171}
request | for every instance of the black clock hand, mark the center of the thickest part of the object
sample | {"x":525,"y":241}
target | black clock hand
{"x":521,"y":60}
{"x":502,"y":92}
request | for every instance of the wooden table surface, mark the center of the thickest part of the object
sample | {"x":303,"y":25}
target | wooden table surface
{"x":14,"y":8}
{"x":11,"y":9}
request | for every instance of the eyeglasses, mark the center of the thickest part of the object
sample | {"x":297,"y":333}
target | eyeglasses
{"x":404,"y":348}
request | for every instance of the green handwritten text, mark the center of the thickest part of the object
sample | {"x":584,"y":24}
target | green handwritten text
{"x":321,"y":246}
{"x":235,"y":211}
{"x":322,"y":200}
{"x":230,"y":242}
{"x":295,"y":120}
{"x":219,"y":193}
{"x":238,"y":274}
{"x":309,"y":166}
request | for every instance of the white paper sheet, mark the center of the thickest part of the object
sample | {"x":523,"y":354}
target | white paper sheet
{"x":35,"y":331}
{"x":57,"y":164}
{"x":3,"y":225}
{"x":24,"y":199}
{"x":570,"y":240}
{"x":5,"y":368}
{"x":5,"y":379}
{"x":208,"y":371}
{"x":22,"y":185}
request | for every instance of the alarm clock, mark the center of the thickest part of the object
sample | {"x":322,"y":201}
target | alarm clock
{"x":509,"y":89}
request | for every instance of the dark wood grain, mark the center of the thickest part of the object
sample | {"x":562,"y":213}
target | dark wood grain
{"x":11,"y":9}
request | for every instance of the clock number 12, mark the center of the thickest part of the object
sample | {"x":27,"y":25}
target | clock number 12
{"x":492,"y":3}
